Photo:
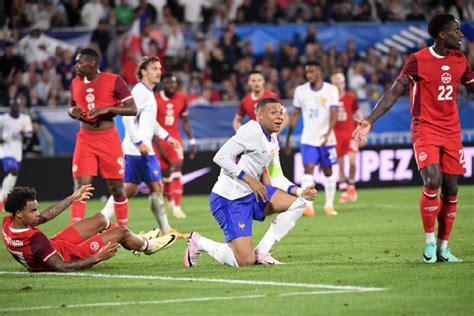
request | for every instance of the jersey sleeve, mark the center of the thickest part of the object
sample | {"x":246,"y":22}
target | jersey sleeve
{"x":334,"y":97}
{"x":27,"y":126}
{"x":241,"y":110}
{"x":41,"y":247}
{"x":468,"y":75}
{"x":160,"y":131}
{"x":121,"y":91}
{"x":409,"y":71}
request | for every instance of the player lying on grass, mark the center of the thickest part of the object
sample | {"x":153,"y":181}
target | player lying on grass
{"x":243,"y":192}
{"x":78,"y":246}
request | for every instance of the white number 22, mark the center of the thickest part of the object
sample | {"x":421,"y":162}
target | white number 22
{"x":445,"y":93}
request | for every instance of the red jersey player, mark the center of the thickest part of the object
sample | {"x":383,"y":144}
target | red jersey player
{"x":172,"y":108}
{"x":433,"y":75}
{"x":346,"y":145}
{"x":96,"y":98}
{"x":78,"y":246}
{"x":256,"y":82}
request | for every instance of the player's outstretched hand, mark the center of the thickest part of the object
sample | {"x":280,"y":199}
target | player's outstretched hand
{"x":143,"y":149}
{"x":309,"y":193}
{"x":361,"y":131}
{"x":108,"y":251}
{"x":83,"y":193}
{"x":75,"y":112}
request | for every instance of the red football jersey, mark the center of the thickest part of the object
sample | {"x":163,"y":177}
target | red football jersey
{"x":29,"y":246}
{"x":170,"y":111}
{"x":433,"y":86}
{"x":107,"y":90}
{"x":248,"y":103}
{"x":345,"y":118}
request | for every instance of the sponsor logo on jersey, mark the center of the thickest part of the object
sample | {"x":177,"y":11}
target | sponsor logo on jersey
{"x":422,"y":156}
{"x":446,"y":78}
{"x":94,"y":245}
{"x":90,"y":90}
{"x":445,"y":67}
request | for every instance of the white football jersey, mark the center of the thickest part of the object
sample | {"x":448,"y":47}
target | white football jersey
{"x":249,"y":150}
{"x":316,"y":107}
{"x":143,"y":126}
{"x":11,"y":129}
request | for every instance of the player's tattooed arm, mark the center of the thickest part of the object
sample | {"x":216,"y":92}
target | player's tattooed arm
{"x":388,"y":99}
{"x":82,"y":194}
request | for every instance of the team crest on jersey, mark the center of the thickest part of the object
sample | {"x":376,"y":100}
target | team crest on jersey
{"x":323,"y":100}
{"x":445,"y":67}
{"x":446,"y":78}
{"x":94,"y":245}
{"x":422,"y":156}
{"x":241,"y":225}
{"x":90,"y":98}
{"x":155,"y":172}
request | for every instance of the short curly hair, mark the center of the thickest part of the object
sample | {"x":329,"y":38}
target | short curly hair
{"x":18,"y":197}
{"x":438,"y":22}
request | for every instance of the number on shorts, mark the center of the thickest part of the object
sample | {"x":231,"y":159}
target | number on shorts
{"x":461,"y":157}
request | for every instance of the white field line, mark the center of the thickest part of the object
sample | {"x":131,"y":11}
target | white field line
{"x":169,"y":301}
{"x":227,"y":281}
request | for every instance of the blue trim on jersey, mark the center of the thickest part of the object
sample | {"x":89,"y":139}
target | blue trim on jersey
{"x":140,"y":169}
{"x":290,"y":188}
{"x":139,"y":143}
{"x":235,"y":216}
{"x":324,"y":155}
{"x":10,"y":163}
{"x":148,"y":88}
{"x":167,"y":137}
{"x":241,"y":174}
{"x":265,"y":133}
{"x":316,"y":90}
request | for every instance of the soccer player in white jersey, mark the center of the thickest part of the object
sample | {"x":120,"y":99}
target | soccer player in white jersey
{"x":14,"y":126}
{"x":318,"y":100}
{"x":243,"y":193}
{"x":141,"y":164}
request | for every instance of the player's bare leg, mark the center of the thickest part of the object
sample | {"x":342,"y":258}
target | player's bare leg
{"x":78,"y":209}
{"x":117,"y":190}
{"x":176,"y":190}
{"x":351,"y":189}
{"x":288,"y":209}
{"x":308,"y":180}
{"x":157,"y":205}
{"x":446,"y":217}
{"x":344,"y":198}
{"x":429,"y":208}
{"x":329,"y":190}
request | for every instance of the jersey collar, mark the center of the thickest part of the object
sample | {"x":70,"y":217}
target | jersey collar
{"x":432,"y":51}
{"x":19,"y":230}
{"x":268,"y":137}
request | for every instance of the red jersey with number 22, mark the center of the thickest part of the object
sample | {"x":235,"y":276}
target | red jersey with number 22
{"x":433,"y":87}
{"x":170,"y":111}
{"x":107,"y":90}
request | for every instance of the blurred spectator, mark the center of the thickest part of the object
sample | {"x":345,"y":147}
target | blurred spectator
{"x":229,"y":43}
{"x":201,"y":55}
{"x":357,"y":80}
{"x":415,"y":13}
{"x":92,"y":12}
{"x":123,"y":14}
{"x":374,"y":88}
{"x":298,"y":11}
{"x":40,"y":14}
{"x":41,"y":144}
{"x":311,"y":35}
{"x":271,"y":12}
{"x":341,"y":12}
{"x":101,"y":36}
{"x":174,"y":52}
{"x":248,"y":11}
{"x":116,"y":52}
{"x":65,"y":69}
{"x":362,"y":12}
{"x":461,"y":10}
{"x":73,"y":12}
{"x":176,"y":9}
{"x":317,"y":14}
{"x":220,"y":67}
{"x":10,"y":63}
{"x":16,"y":12}
{"x":193,"y":10}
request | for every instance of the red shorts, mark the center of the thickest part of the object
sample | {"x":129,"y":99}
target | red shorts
{"x":101,"y":150}
{"x":70,"y":245}
{"x":446,"y":151}
{"x":345,"y":145}
{"x":173,"y":155}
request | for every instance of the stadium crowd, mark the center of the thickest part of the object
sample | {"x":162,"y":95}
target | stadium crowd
{"x":38,"y":68}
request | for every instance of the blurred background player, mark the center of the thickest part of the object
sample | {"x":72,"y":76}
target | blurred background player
{"x":319,"y":102}
{"x":141,"y":163}
{"x":14,"y":127}
{"x":346,"y":145}
{"x":96,"y":97}
{"x":172,"y":108}
{"x":243,"y":193}
{"x":433,"y":74}
{"x":78,"y":246}
{"x":256,"y":83}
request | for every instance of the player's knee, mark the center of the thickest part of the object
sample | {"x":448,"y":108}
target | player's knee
{"x":121,"y":232}
{"x":101,"y":221}
{"x":246,"y":260}
{"x":432,"y":182}
{"x":117,"y":191}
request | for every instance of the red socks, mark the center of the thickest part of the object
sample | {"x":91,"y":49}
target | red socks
{"x":429,"y":207}
{"x":176,"y":191}
{"x":78,"y":211}
{"x":447,"y":215}
{"x":121,"y":211}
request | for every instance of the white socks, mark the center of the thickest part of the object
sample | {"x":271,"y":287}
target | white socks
{"x":158,"y":208}
{"x":219,"y":251}
{"x":281,"y":225}
{"x":7,"y":185}
{"x":442,"y":244}
{"x":306,"y":181}
{"x":330,"y":187}
{"x":108,"y":210}
{"x":430,"y":237}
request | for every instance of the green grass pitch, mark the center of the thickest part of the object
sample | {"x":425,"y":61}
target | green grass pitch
{"x":365,"y":261}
